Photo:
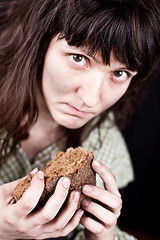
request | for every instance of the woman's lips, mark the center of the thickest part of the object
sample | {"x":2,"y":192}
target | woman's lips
{"x":76,"y":112}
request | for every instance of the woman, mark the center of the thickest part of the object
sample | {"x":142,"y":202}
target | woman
{"x":70,"y":70}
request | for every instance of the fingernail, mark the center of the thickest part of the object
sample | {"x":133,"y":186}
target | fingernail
{"x":34,"y":171}
{"x":12,"y":201}
{"x":86,"y":203}
{"x":96,"y":163}
{"x":87,"y":188}
{"x":66,"y":182}
{"x":81,"y":213}
{"x":75,"y":196}
{"x":41,"y":175}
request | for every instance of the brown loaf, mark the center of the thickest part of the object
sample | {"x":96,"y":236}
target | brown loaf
{"x":74,"y":163}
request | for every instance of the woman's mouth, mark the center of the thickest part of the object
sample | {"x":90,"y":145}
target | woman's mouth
{"x":76,"y":112}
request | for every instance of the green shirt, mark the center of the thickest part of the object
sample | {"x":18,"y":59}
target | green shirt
{"x":112,"y":152}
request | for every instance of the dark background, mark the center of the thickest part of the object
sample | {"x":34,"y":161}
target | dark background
{"x":141,"y":198}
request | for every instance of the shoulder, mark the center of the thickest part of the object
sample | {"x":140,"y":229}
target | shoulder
{"x":108,"y":145}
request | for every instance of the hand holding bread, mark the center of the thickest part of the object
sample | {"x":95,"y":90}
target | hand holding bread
{"x":74,"y":164}
{"x":48,"y":201}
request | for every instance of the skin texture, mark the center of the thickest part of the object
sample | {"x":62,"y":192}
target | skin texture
{"x":76,"y":87}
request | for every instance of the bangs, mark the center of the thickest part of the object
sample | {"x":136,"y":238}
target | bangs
{"x":110,"y":26}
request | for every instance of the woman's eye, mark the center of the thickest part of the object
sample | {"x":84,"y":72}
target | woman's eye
{"x":120,"y":75}
{"x":80,"y":60}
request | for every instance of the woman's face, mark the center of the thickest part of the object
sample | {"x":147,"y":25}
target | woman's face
{"x":77,"y":87}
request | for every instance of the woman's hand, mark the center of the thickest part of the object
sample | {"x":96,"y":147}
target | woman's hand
{"x":104,"y":209}
{"x":17,"y":221}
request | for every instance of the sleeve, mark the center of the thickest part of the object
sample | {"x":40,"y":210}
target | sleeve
{"x":78,"y":234}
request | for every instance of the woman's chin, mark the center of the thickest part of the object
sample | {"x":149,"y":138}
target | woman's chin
{"x":72,"y":123}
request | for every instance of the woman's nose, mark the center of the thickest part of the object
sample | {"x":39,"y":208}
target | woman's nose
{"x":91,"y":89}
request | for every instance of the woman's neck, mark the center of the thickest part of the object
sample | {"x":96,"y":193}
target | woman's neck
{"x":43,"y":133}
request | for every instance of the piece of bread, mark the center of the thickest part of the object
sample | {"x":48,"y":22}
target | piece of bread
{"x":75,"y":163}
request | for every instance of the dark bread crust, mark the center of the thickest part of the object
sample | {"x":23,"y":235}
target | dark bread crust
{"x":81,"y":176}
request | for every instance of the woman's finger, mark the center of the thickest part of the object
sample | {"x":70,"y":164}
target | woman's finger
{"x":107,"y":177}
{"x":53,"y":205}
{"x":104,"y":197}
{"x":92,"y":225}
{"x":73,"y":223}
{"x":31,"y":196}
{"x":6,"y":192}
{"x":105,"y":216}
{"x":68,"y":211}
{"x":7,"y":189}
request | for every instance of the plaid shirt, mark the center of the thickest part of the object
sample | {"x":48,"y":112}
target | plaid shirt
{"x":112,"y":152}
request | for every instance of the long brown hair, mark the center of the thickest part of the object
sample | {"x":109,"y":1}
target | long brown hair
{"x":130,"y":29}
